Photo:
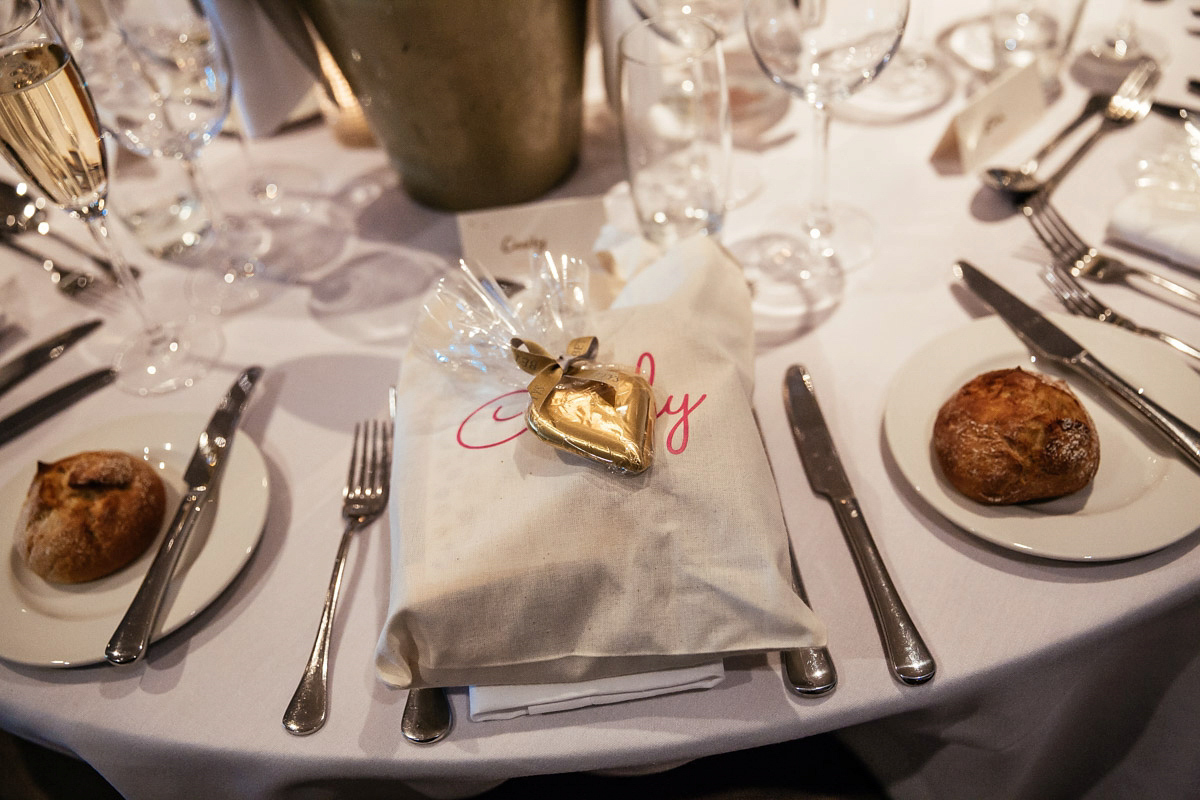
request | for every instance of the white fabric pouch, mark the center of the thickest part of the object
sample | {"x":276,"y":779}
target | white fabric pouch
{"x":516,"y":563}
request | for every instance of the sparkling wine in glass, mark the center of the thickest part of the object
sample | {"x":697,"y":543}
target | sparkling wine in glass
{"x":50,"y":133}
{"x":823,"y":51}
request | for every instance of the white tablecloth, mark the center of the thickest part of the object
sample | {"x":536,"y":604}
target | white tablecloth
{"x":1055,"y":679}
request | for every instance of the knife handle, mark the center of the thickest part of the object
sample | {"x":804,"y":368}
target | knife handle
{"x":1185,"y":438}
{"x":809,"y":670}
{"x":911,"y":660}
{"x":132,"y":636}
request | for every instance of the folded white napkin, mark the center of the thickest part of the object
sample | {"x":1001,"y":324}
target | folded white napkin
{"x":505,"y":702}
{"x":514,"y":563}
{"x":270,"y":81}
{"x":1159,"y":221}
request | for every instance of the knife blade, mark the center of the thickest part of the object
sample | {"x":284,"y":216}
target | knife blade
{"x":38,"y":356}
{"x":807,"y":671}
{"x":1170,"y":111}
{"x":1052,"y":343}
{"x":202,"y":476}
{"x":53,"y":402}
{"x":910,"y":659}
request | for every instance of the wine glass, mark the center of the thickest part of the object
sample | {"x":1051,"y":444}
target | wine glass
{"x":754,"y":105}
{"x":675,"y":129}
{"x":162,"y":83}
{"x":822,"y":51}
{"x":917,"y":81}
{"x":1123,"y":45}
{"x":51,"y":134}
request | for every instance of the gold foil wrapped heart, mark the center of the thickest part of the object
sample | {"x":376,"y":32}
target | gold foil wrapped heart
{"x":600,"y":413}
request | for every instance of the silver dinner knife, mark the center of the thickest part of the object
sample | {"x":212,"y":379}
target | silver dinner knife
{"x":807,"y":671}
{"x":1052,"y":343}
{"x":51,"y":403}
{"x":41,"y":354}
{"x":911,"y":661}
{"x":202,"y":476}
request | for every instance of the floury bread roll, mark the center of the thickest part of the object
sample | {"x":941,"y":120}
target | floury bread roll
{"x":89,"y":514}
{"x":1011,"y":436}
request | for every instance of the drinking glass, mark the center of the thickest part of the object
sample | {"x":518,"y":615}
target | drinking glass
{"x":1124,"y":44}
{"x":162,"y":83}
{"x":822,"y":51}
{"x":675,"y":126}
{"x":51,"y":134}
{"x":918,"y":79}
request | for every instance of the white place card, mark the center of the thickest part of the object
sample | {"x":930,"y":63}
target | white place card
{"x":995,"y":116}
{"x":503,"y":238}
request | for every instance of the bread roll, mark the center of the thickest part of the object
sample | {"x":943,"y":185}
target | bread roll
{"x":1011,"y":436}
{"x":89,"y":514}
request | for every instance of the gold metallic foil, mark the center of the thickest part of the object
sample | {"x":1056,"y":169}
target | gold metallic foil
{"x":601,"y":413}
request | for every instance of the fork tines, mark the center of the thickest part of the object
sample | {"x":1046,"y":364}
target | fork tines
{"x":1065,"y":245}
{"x":370,"y":459}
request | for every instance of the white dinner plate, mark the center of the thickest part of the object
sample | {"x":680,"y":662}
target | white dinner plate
{"x":1143,"y":497}
{"x":57,"y":625}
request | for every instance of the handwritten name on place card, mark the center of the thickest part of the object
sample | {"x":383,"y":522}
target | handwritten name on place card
{"x":993,"y":118}
{"x":504,"y":238}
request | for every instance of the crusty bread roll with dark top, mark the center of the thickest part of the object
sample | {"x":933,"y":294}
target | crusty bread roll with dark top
{"x":89,"y":514}
{"x":1011,"y":436}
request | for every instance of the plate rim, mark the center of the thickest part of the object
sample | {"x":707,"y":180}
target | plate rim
{"x":179,"y":427}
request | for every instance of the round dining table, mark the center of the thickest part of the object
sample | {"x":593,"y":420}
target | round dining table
{"x":1055,"y":677}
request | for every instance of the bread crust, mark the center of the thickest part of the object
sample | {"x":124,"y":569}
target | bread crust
{"x":89,"y":514}
{"x":1011,"y":436}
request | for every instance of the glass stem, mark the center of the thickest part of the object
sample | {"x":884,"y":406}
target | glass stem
{"x":97,"y":222}
{"x":207,"y":197}
{"x":819,"y":219}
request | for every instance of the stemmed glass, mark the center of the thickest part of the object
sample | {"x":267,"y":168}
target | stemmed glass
{"x":163,"y":86}
{"x":823,"y":51}
{"x":51,"y":134}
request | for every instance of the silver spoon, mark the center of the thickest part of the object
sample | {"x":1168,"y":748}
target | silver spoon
{"x":1004,"y":179}
{"x":20,"y":214}
{"x":1129,"y":104}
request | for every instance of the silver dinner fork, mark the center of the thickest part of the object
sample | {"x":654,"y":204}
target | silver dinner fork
{"x":1078,"y":300}
{"x":364,"y":498}
{"x":1071,"y":252}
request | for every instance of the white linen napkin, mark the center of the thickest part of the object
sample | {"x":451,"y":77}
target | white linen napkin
{"x":514,"y":564}
{"x":505,"y":702}
{"x":270,"y":81}
{"x":1159,"y":221}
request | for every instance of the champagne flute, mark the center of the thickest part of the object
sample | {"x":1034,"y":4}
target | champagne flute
{"x":51,"y":134}
{"x":822,"y":51}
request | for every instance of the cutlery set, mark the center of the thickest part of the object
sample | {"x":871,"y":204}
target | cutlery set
{"x":1072,"y":257}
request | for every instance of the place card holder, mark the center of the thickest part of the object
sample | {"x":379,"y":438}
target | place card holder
{"x":993,"y":118}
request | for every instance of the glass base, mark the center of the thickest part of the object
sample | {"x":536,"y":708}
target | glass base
{"x":286,"y":189}
{"x":915,"y":83}
{"x":1112,"y":49}
{"x":242,"y":283}
{"x":791,"y":283}
{"x":172,"y":356}
{"x":846,"y":235}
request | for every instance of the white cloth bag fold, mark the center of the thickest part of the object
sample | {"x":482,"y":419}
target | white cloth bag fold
{"x":516,"y":563}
